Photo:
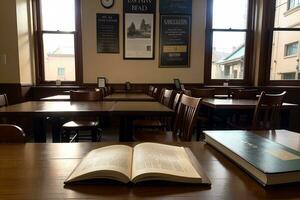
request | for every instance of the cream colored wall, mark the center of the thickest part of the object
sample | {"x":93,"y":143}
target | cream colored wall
{"x":117,"y":70}
{"x":9,"y":73}
{"x":26,"y":59}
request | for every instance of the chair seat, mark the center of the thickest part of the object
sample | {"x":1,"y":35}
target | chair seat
{"x":80,"y":124}
{"x":155,"y":136}
{"x":148,"y":123}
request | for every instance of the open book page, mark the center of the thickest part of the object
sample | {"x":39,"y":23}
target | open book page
{"x":163,"y":160}
{"x":110,"y":159}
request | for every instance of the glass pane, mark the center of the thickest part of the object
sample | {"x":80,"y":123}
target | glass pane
{"x":286,"y":15}
{"x":59,"y":57}
{"x":58,"y":15}
{"x":228,"y":55}
{"x":230,"y":14}
{"x":285,"y":55}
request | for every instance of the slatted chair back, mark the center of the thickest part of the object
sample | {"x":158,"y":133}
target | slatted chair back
{"x":177,"y":101}
{"x":186,"y":117}
{"x":168,"y":97}
{"x":3,"y":100}
{"x":203,"y":93}
{"x":155,"y":93}
{"x":187,"y":92}
{"x":161,"y":95}
{"x":81,"y":95}
{"x":267,"y":111}
{"x":245,"y":94}
{"x":150,"y":90}
{"x":11,"y":134}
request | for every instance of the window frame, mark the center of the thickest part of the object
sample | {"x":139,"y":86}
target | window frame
{"x":249,"y":45}
{"x":289,"y":5}
{"x":39,"y":48}
{"x":286,"y":46}
{"x":269,"y":11}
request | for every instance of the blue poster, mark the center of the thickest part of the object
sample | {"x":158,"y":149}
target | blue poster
{"x":175,"y":7}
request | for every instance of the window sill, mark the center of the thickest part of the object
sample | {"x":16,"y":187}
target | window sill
{"x":291,"y":11}
{"x":290,"y":56}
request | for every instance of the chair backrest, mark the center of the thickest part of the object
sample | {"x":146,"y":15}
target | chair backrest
{"x":109,"y":90}
{"x":187,"y":92}
{"x":3,"y":100}
{"x":161,"y":94}
{"x":81,"y":95}
{"x":168,"y":97}
{"x":11,"y":134}
{"x":267,"y":111}
{"x":155,"y":93}
{"x":151,"y":89}
{"x":176,"y":101}
{"x":203,"y":93}
{"x":186,"y":117}
{"x":245,"y":94}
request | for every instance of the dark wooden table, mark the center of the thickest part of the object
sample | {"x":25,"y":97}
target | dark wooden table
{"x":40,"y":110}
{"x":112,"y":97}
{"x":37,"y":171}
{"x":129,"y":97}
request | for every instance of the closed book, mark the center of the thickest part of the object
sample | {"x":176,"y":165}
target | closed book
{"x":268,"y":162}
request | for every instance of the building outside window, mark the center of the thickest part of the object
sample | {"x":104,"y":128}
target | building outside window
{"x":293,"y":4}
{"x":286,"y":34}
{"x":291,"y":49}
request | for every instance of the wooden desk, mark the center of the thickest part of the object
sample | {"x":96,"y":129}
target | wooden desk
{"x":236,"y":103}
{"x":37,"y":171}
{"x":112,"y":97}
{"x":57,"y":98}
{"x":129,"y":97}
{"x":40,"y":110}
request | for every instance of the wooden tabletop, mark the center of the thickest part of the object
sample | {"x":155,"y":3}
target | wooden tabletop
{"x":128,"y":97}
{"x":236,"y":103}
{"x":65,"y":97}
{"x":57,"y":108}
{"x":37,"y":171}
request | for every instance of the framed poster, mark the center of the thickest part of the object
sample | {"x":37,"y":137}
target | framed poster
{"x":175,"y":7}
{"x":101,"y":82}
{"x":175,"y":37}
{"x":139,"y":36}
{"x":108,"y":33}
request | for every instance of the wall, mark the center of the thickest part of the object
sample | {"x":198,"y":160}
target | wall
{"x":117,"y":70}
{"x":9,"y":72}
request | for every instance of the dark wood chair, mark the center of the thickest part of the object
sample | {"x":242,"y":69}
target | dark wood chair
{"x":3,"y":100}
{"x":83,"y":123}
{"x":203,"y":93}
{"x":267,"y":111}
{"x":155,"y":93}
{"x":187,"y":92}
{"x":150,"y":90}
{"x":11,"y":134}
{"x":167,"y":99}
{"x":183,"y":126}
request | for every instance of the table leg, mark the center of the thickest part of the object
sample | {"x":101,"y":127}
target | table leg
{"x":39,"y":130}
{"x":126,"y":129}
{"x":56,"y":124}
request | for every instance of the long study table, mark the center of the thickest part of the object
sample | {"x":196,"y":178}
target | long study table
{"x":40,"y":110}
{"x":37,"y":171}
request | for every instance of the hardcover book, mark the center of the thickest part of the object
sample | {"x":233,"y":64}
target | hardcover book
{"x":144,"y":162}
{"x":268,"y":162}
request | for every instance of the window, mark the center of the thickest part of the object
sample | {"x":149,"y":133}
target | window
{"x":58,"y":35}
{"x":291,"y":49}
{"x":282,"y":63}
{"x":228,"y":41}
{"x":293,"y":4}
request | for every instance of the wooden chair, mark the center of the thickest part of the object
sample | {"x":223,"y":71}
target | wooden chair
{"x":11,"y":134}
{"x":150,"y":90}
{"x":183,"y":126}
{"x":155,"y":93}
{"x":203,"y":93}
{"x":187,"y":92}
{"x":83,"y":123}
{"x":167,"y":99}
{"x":267,"y":111}
{"x":3,"y":100}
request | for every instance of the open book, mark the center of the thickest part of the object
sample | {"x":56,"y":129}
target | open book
{"x":144,"y":162}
